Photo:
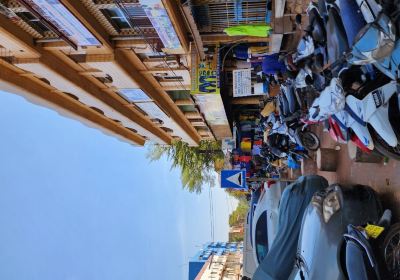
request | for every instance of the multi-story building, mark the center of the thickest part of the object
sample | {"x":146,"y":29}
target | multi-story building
{"x":138,"y":69}
{"x":119,"y":65}
{"x":217,"y":260}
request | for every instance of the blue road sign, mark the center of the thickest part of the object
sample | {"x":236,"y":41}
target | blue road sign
{"x":233,"y":179}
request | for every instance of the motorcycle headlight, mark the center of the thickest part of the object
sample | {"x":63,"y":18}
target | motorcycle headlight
{"x":386,"y":41}
{"x":374,"y":41}
{"x":318,"y":199}
{"x":385,"y":46}
{"x":330,"y":205}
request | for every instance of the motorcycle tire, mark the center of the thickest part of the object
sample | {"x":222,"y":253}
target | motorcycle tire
{"x":391,"y":251}
{"x":309,"y":140}
{"x":384,"y":148}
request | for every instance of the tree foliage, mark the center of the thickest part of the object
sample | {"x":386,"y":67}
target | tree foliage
{"x":238,"y":194}
{"x":237,"y":238}
{"x":238,"y":216}
{"x":196,"y":163}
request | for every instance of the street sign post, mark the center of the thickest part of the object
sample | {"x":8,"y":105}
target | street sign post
{"x":233,"y":179}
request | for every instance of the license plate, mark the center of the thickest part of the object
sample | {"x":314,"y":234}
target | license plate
{"x":373,"y":231}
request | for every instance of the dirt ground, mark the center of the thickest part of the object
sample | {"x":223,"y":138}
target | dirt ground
{"x":384,"y":178}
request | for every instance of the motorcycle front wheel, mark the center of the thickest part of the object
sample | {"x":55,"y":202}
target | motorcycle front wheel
{"x":309,"y":140}
{"x":384,"y":148}
{"x":391,"y":251}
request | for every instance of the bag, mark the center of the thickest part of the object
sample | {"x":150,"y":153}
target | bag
{"x":268,"y":109}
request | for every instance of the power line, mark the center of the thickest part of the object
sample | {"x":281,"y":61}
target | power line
{"x":227,"y":203}
{"x":212,"y":207}
{"x":212,"y":219}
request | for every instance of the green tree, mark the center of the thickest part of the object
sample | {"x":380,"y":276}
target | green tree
{"x":238,"y":216}
{"x":237,"y":238}
{"x":197,"y":163}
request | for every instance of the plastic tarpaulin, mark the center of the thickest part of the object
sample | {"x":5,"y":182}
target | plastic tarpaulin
{"x":280,"y":260}
{"x":248,"y":30}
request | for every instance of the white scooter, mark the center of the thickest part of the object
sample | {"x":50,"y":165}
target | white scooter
{"x":345,"y":120}
{"x":332,"y":103}
{"x":356,"y":113}
{"x":374,"y":109}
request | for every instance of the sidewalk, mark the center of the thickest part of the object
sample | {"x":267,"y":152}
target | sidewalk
{"x":385,"y":179}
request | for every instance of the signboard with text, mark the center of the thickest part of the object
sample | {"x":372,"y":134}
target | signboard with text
{"x":205,"y":74}
{"x":161,"y":22}
{"x":57,"y":15}
{"x":241,"y":82}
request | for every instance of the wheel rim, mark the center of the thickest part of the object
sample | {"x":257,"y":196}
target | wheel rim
{"x":392,"y":255}
{"x":310,"y":141}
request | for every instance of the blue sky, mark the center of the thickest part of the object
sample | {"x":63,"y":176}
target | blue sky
{"x":76,"y":204}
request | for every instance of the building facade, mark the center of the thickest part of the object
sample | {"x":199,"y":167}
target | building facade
{"x":217,"y":260}
{"x":136,"y":69}
{"x":122,"y":65}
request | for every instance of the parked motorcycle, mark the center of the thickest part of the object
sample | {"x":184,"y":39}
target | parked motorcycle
{"x":290,"y":123}
{"x":376,"y":44}
{"x":280,"y":146}
{"x":364,"y":246}
{"x":368,"y":115}
{"x":368,"y":110}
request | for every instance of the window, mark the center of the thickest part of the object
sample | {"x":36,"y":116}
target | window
{"x":166,"y":129}
{"x":117,"y":18}
{"x":261,"y":239}
{"x":163,"y":77}
{"x":174,"y":78}
{"x":157,"y":121}
{"x":33,"y":21}
{"x":134,"y":95}
{"x":154,"y":56}
{"x":72,"y":95}
{"x":131,"y":129}
{"x":105,"y":80}
{"x":97,"y":110}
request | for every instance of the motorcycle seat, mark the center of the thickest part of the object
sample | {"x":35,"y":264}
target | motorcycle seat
{"x":337,"y":42}
{"x":357,"y":264}
{"x":316,"y":28}
{"x":360,"y":260}
{"x":283,"y":105}
{"x":288,"y":91}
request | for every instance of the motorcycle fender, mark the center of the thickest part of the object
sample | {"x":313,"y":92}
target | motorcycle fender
{"x":333,"y":135}
{"x":378,"y":99}
{"x":375,"y":100}
{"x":380,"y":122}
{"x":363,"y":134}
{"x":385,"y":62}
{"x":359,"y":144}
